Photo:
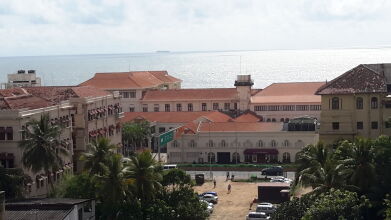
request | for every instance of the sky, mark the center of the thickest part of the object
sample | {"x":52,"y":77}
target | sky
{"x":51,"y":27}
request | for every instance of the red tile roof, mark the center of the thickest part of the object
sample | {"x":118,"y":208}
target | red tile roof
{"x":174,"y":117}
{"x":43,"y":96}
{"x":240,"y":127}
{"x":297,"y":92}
{"x":130,"y":80}
{"x":248,"y":117}
{"x":364,"y":78}
{"x":191,"y":94}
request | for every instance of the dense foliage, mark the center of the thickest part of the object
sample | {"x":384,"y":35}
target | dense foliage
{"x":134,"y":188}
{"x":12,"y":181}
{"x":350,"y":180}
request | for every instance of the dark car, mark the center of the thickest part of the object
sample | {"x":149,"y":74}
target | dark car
{"x":272,"y":171}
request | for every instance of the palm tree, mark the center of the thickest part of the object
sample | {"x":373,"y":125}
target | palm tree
{"x":360,"y":163}
{"x":42,"y":149}
{"x":99,"y":151}
{"x":136,"y":134}
{"x":143,"y":171}
{"x":114,"y":186}
{"x":319,"y":169}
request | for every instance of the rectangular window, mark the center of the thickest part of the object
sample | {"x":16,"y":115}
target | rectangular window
{"x":227,"y":106}
{"x":178,"y":107}
{"x":10,"y":133}
{"x":162,"y":129}
{"x":215,"y":106}
{"x":203,"y":107}
{"x":145,"y":108}
{"x":273,"y":108}
{"x":302,"y":107}
{"x":190,"y":107}
{"x":315,"y":107}
{"x":260,"y":108}
{"x":2,"y":133}
{"x":374,"y":125}
{"x":132,"y":94}
{"x":131,"y":108}
{"x":125,"y":95}
{"x":156,"y":107}
{"x":360,"y":125}
{"x":335,"y":125}
{"x":387,"y":124}
{"x":167,"y":107}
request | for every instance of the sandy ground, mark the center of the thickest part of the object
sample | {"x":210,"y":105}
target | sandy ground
{"x":234,"y":205}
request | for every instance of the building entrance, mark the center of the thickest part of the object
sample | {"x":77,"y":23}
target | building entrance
{"x":223,"y":157}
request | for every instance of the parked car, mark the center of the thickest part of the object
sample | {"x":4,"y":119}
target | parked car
{"x":213,"y":193}
{"x":281,"y":180}
{"x":266,"y":207}
{"x":169,"y":166}
{"x":209,"y":206}
{"x":272,"y":171}
{"x":257,"y":216}
{"x":210,"y":198}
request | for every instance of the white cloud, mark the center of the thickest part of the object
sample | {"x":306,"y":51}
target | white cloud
{"x":36,"y":27}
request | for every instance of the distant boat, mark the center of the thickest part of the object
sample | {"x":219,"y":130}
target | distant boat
{"x":162,"y":51}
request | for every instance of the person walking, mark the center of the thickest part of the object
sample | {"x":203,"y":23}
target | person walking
{"x":214,"y":183}
{"x":229,"y":188}
{"x":227,"y":176}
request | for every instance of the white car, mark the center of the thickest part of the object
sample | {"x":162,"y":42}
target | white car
{"x":266,"y":207}
{"x":280,"y":179}
{"x":210,"y":198}
{"x":209,"y":206}
{"x":257,"y":216}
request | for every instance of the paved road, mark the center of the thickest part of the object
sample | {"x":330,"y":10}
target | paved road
{"x":237,"y":174}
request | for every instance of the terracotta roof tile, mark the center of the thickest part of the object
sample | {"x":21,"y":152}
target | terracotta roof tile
{"x":174,"y":117}
{"x":361,"y":79}
{"x":88,"y":91}
{"x":191,"y":94}
{"x":130,"y":80}
{"x":297,"y":92}
{"x":248,"y":117}
{"x":240,"y":127}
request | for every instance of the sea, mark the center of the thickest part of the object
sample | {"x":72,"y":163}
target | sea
{"x":201,"y":69}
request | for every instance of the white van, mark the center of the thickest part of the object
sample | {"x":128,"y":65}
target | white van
{"x":169,"y":166}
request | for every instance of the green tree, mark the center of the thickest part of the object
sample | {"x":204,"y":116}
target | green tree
{"x":337,"y":204}
{"x":176,"y":177}
{"x":113,"y":187}
{"x":98,"y":155}
{"x":12,"y":182}
{"x":82,"y":186}
{"x":42,"y":149}
{"x":136,"y":134}
{"x":143,"y":171}
{"x":358,"y":160}
{"x":293,"y":209}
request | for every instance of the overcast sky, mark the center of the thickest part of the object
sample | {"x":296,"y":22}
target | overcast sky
{"x":42,"y":27}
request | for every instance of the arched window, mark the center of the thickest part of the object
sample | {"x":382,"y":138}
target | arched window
{"x":282,"y":120}
{"x":260,"y":143}
{"x":286,"y":143}
{"x":210,"y":143}
{"x":359,"y":103}
{"x":223,"y":143}
{"x":286,"y":120}
{"x":235,"y":157}
{"x":274,"y":143}
{"x":374,"y":103}
{"x":192,"y":144}
{"x":286,"y":157}
{"x":268,"y":120}
{"x":211,"y":157}
{"x":273,"y":120}
{"x":175,"y":143}
{"x":335,"y":103}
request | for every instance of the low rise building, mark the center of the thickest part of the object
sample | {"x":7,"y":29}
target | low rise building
{"x":235,"y":142}
{"x":357,"y":103}
{"x":132,"y":85}
{"x":22,"y":79}
{"x":84,"y":113}
{"x":280,"y":102}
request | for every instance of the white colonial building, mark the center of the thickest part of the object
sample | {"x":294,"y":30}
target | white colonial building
{"x":234,"y":142}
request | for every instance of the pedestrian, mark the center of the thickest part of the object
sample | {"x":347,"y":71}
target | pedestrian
{"x":214,"y":183}
{"x":255,"y":200}
{"x":227,"y":176}
{"x":229,"y":188}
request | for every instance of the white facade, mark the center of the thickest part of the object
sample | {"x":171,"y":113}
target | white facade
{"x":22,"y":79}
{"x":196,"y":147}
